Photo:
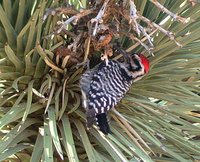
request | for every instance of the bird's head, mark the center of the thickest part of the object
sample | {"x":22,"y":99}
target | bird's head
{"x":138,"y":65}
{"x":145,"y":62}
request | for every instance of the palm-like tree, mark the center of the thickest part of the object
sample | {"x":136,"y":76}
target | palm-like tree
{"x":40,"y":102}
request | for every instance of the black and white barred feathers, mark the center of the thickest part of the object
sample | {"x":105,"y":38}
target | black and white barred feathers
{"x":106,"y":84}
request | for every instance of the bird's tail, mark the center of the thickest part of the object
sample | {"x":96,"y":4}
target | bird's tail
{"x":102,"y":122}
{"x":100,"y":119}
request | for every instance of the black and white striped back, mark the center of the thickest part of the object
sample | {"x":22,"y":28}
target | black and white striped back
{"x":108,"y":86}
{"x":103,"y":87}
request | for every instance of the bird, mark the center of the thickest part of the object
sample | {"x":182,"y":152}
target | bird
{"x":103,"y":86}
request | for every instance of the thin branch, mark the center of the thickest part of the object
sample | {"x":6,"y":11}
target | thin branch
{"x":174,"y":16}
{"x":86,"y":48}
{"x":166,"y":32}
{"x":194,"y":2}
{"x":146,"y":35}
{"x":76,"y":17}
{"x":142,"y":40}
{"x":140,"y":28}
{"x":76,"y":41}
{"x":137,"y":40}
{"x":59,"y":11}
{"x":133,"y":17}
{"x":98,"y":18}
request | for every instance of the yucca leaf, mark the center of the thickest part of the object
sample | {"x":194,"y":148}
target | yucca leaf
{"x":38,"y":149}
{"x":13,"y":58}
{"x":29,"y":100}
{"x":48,"y":144}
{"x":53,"y":130}
{"x":50,"y":96}
{"x":10,"y":32}
{"x":110,"y":147}
{"x":21,"y":12}
{"x":47,"y":60}
{"x":77,"y":104}
{"x":6,"y":119}
{"x":84,"y":137}
{"x":65,"y":99}
{"x":40,"y":23}
{"x":30,"y":43}
{"x":57,"y":101}
{"x":69,"y":141}
{"x":39,"y":69}
{"x":7,"y":5}
{"x":29,"y":69}
{"x":13,"y":150}
{"x":17,"y":112}
{"x":21,"y":39}
{"x":6,"y":69}
{"x":121,"y":145}
{"x":16,"y":82}
{"x":2,"y":35}
{"x":8,"y":138}
{"x":8,"y":99}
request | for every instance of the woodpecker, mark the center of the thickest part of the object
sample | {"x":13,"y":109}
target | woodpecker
{"x":106,"y":84}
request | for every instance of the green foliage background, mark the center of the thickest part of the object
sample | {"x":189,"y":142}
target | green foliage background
{"x":162,"y":110}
